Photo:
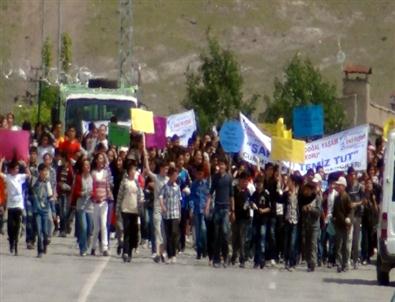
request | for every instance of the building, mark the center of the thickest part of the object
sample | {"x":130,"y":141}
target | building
{"x":359,"y":107}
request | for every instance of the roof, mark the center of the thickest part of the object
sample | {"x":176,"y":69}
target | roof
{"x":351,"y":68}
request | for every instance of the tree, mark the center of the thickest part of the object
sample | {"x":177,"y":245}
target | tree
{"x":214,"y":91}
{"x":66,"y":52}
{"x":304,"y":85}
{"x":46,"y":56}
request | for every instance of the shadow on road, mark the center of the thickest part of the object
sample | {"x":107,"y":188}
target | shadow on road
{"x":353,"y":281}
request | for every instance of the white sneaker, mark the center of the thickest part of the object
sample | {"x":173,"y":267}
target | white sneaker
{"x":273,"y":263}
{"x":173,"y":260}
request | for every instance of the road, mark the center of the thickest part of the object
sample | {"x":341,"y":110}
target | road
{"x":62,"y":275}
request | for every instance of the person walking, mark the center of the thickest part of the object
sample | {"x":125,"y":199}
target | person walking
{"x":311,"y":211}
{"x":222,"y":187}
{"x":241,"y":219}
{"x":15,"y":204}
{"x":356,"y":192}
{"x":170,"y":202}
{"x":198,"y":201}
{"x":160,"y":180}
{"x":130,"y":196}
{"x":292,"y":218}
{"x":342,"y":222}
{"x":42,"y":198}
{"x":101,"y":195}
{"x":82,"y":190}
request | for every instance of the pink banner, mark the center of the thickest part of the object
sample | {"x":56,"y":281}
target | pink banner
{"x":14,"y":144}
{"x":158,"y":139}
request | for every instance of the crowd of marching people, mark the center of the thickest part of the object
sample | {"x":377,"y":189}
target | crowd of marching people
{"x":230,"y":212}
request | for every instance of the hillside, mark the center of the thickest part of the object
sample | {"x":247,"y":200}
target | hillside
{"x":169,"y":34}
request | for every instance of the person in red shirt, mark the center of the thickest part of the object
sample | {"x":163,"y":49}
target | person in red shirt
{"x":71,"y":146}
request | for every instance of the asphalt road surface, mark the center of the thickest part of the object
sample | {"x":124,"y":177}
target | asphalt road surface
{"x":62,"y":275}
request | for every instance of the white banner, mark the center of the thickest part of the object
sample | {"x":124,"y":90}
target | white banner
{"x":255,"y":144}
{"x":183,"y":125}
{"x":337,"y":152}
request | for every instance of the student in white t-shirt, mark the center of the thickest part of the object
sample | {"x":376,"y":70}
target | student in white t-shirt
{"x":14,"y":182}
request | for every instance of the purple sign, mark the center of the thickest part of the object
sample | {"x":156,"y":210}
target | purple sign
{"x":158,"y":139}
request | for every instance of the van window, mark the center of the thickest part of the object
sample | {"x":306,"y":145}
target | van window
{"x":78,"y":110}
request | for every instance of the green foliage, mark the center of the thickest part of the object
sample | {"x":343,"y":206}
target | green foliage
{"x":304,"y":85}
{"x":28,"y":112}
{"x":66,"y":52}
{"x":214,"y":91}
{"x":46,"y":56}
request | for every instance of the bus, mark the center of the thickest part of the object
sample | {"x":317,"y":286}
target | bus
{"x":98,"y":102}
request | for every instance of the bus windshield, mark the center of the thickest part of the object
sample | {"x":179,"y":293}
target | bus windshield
{"x":91,"y":110}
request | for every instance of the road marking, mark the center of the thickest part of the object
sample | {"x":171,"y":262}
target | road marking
{"x":92,"y":279}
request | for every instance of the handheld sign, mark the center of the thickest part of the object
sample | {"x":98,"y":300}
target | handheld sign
{"x":158,"y":139}
{"x":231,"y":136}
{"x":14,"y":144}
{"x":118,"y":135}
{"x":308,"y":121}
{"x":142,"y":120}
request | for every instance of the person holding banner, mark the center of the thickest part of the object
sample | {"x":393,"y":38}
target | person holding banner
{"x":160,"y":180}
{"x":15,"y":203}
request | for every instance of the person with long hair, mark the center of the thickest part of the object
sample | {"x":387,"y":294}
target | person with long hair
{"x":118,"y":173}
{"x":369,"y":221}
{"x":130,"y":196}
{"x":82,"y":191}
{"x":101,"y":195}
{"x":292,"y":218}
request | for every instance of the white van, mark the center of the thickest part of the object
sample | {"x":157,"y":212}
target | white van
{"x":386,"y":227}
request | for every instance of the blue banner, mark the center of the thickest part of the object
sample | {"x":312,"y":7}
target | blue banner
{"x":308,"y":121}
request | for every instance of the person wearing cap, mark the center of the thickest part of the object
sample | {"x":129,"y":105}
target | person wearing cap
{"x":311,"y":205}
{"x":342,"y":222}
{"x":356,"y":192}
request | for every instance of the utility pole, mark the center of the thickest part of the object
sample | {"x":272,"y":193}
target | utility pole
{"x":125,"y":39}
{"x":39,"y":86}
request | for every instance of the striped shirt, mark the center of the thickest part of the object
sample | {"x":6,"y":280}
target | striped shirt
{"x":171,"y":195}
{"x":101,"y":186}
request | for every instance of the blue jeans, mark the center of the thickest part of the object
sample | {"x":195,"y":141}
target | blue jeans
{"x":272,"y":250}
{"x":290,"y":240}
{"x":42,"y":230}
{"x":260,"y":243}
{"x":221,"y":234}
{"x":201,"y":234}
{"x":85,"y":229}
{"x":149,"y":221}
{"x":328,"y":246}
{"x":63,"y":206}
{"x":30,"y":222}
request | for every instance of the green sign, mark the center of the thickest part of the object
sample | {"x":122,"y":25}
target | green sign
{"x":118,"y":135}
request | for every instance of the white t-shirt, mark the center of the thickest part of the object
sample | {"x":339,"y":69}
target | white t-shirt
{"x":14,"y":190}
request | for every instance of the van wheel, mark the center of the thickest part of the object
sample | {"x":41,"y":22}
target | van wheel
{"x":383,"y":277}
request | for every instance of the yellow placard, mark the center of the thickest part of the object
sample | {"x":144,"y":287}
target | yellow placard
{"x":291,"y":150}
{"x":388,"y":126}
{"x":278,"y":129}
{"x":142,"y":120}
